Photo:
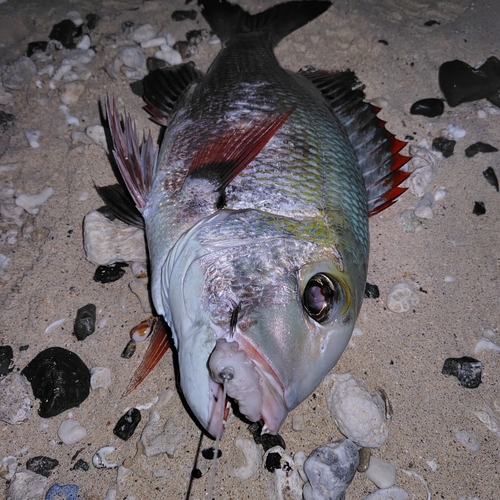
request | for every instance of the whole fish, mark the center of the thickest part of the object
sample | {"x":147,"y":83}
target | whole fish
{"x":256,"y":213}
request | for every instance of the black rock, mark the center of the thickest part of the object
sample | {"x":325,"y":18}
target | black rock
{"x":64,"y":32}
{"x":153,"y":63}
{"x":6,"y":120}
{"x":208,"y":453}
{"x":185,"y":49}
{"x":36,"y":47}
{"x":85,"y":322}
{"x":432,"y":22}
{"x":266,"y":440}
{"x":444,"y":146}
{"x":371,"y":291}
{"x":273,"y":462}
{"x":42,"y":465}
{"x":468,"y":370}
{"x":59,"y":379}
{"x":127,"y":424}
{"x":479,"y":147}
{"x":129,"y":350}
{"x":196,"y":36}
{"x":491,"y":177}
{"x":24,"y":347}
{"x":182,"y":15}
{"x":479,"y":208}
{"x":91,"y":21}
{"x":6,"y":357}
{"x":196,"y":473}
{"x":383,"y":42}
{"x":428,"y":107}
{"x":460,"y":82}
{"x":108,"y":274}
{"x":80,"y":465}
{"x":126,"y":25}
{"x":137,"y":88}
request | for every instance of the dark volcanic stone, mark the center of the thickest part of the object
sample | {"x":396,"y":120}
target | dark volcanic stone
{"x":129,"y":350}
{"x":6,"y":120}
{"x":80,"y":465}
{"x":383,"y":42}
{"x":491,"y":177}
{"x":64,"y":32}
{"x":479,"y":147}
{"x":196,"y":473}
{"x":36,"y":47}
{"x":444,"y":146}
{"x":479,"y":208}
{"x":208,"y":453}
{"x":185,"y":49}
{"x":460,"y":82}
{"x":91,"y":21}
{"x":196,"y":36}
{"x":59,"y":379}
{"x":42,"y":465}
{"x":182,"y":15}
{"x":153,"y":63}
{"x":468,"y":370}
{"x":273,"y":462}
{"x":371,"y":291}
{"x":108,"y":274}
{"x":6,"y":357}
{"x":127,"y":424}
{"x":266,"y":440}
{"x":432,"y":22}
{"x":85,"y":322}
{"x":428,"y":107}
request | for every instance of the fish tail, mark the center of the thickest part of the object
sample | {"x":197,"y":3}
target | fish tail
{"x":229,"y":20}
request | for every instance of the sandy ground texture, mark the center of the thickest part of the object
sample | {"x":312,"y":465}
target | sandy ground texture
{"x":48,"y":277}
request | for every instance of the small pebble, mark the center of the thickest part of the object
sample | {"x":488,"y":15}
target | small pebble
{"x":196,"y":473}
{"x":132,"y":56}
{"x":468,"y":370}
{"x":479,"y":147}
{"x":371,"y":291}
{"x":364,"y":459}
{"x":26,"y":485}
{"x":6,"y":120}
{"x":484,"y":344}
{"x":423,"y":164}
{"x":91,"y":20}
{"x":97,"y":135}
{"x":469,"y":441}
{"x":80,"y":465}
{"x":479,"y":208}
{"x":431,"y":22}
{"x":379,"y":102}
{"x":153,"y":63}
{"x":401,"y":298}
{"x":84,"y":43}
{"x":182,"y":15}
{"x":439,"y":194}
{"x":34,"y":47}
{"x":481,"y":114}
{"x":424,"y":207}
{"x":32,"y":203}
{"x":154,"y":42}
{"x":59,"y":379}
{"x":252,"y":458}
{"x":428,"y":107}
{"x":99,"y":459}
{"x":142,"y":33}
{"x":70,"y":431}
{"x":19,"y":74}
{"x":33,"y":136}
{"x":127,"y":424}
{"x":42,"y":465}
{"x":169,"y":55}
{"x":70,"y":93}
{"x":444,"y":146}
{"x":330,"y":469}
{"x":455,"y":131}
{"x":84,"y":324}
{"x":75,"y":16}
{"x":209,"y":453}
{"x":129,"y":350}
{"x":490,"y":175}
{"x":111,"y":273}
{"x":67,"y":492}
{"x":15,"y":404}
{"x":381,"y":473}
{"x":298,"y":422}
{"x":100,"y":378}
{"x":6,"y":357}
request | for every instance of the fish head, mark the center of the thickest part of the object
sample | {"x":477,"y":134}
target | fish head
{"x":260,"y":312}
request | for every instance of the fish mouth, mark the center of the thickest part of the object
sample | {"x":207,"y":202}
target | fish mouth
{"x":247,"y":377}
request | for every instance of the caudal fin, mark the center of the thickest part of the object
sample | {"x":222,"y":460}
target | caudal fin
{"x":229,"y":20}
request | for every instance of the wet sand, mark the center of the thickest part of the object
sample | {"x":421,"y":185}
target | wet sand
{"x":49,"y":278}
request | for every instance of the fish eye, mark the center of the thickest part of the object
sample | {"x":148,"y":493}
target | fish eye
{"x":322,"y":297}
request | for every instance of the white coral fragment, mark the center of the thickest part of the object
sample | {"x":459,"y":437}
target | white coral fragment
{"x":252,"y":458}
{"x":401,"y":298}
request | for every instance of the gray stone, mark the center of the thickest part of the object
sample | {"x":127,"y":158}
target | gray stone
{"x":19,"y":74}
{"x":27,"y":485}
{"x":15,"y":405}
{"x":132,"y":56}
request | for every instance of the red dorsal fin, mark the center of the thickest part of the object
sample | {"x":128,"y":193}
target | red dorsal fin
{"x":158,"y":346}
{"x":223,"y":158}
{"x":136,"y":162}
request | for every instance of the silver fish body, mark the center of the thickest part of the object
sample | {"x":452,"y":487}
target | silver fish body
{"x":260,"y":275}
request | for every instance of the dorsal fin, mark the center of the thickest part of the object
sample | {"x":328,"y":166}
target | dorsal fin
{"x":376,"y":148}
{"x":223,"y":158}
{"x":164,"y":86}
{"x":121,"y":205}
{"x":136,"y":162}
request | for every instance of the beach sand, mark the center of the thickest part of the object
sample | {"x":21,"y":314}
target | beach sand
{"x":48,"y":277}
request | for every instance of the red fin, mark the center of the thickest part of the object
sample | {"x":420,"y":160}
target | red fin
{"x":137,"y":163}
{"x":158,"y":346}
{"x":222,"y":159}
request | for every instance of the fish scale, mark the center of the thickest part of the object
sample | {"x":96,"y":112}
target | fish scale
{"x":256,"y":213}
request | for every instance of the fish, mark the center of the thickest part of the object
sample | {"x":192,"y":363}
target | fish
{"x":255,"y":208}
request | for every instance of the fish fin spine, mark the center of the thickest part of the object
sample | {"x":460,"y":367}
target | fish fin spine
{"x":136,"y":161}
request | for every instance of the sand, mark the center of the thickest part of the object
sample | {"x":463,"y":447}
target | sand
{"x":49,"y":278}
